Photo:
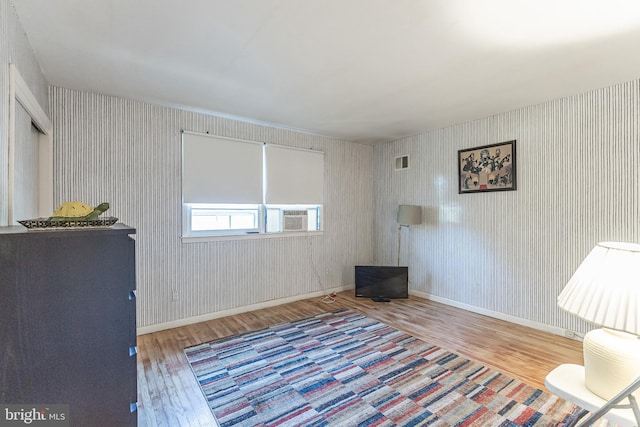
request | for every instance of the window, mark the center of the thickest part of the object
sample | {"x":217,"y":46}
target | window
{"x":293,"y":218}
{"x":235,"y":187}
{"x":222,"y":219}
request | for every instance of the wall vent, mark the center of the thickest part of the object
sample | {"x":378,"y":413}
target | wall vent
{"x":401,"y":162}
{"x":295,"y":220}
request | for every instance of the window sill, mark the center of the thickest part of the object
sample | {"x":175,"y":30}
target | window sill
{"x":249,"y":236}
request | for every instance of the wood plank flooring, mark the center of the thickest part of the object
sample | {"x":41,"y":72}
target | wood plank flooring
{"x":168,"y":394}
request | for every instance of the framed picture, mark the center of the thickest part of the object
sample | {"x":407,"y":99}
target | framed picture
{"x":487,"y":168}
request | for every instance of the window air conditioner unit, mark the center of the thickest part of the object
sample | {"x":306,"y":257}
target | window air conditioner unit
{"x":294,"y":220}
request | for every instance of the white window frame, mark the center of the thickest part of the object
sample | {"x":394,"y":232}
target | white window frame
{"x":189,"y":207}
{"x":302,"y":207}
{"x":190,"y":235}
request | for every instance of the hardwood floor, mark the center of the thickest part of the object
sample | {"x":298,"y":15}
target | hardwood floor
{"x":168,"y":394}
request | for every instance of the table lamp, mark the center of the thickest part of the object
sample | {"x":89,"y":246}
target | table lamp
{"x":407,"y":215}
{"x":605,"y":290}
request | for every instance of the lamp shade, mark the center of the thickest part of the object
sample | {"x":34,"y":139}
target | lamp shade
{"x":409,"y":215}
{"x":605,"y":289}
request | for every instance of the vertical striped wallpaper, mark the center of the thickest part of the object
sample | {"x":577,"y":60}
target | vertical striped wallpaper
{"x":129,"y":154}
{"x":512,"y":252}
{"x":5,"y":19}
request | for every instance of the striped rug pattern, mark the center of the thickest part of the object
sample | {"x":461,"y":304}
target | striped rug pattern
{"x":344,"y":369}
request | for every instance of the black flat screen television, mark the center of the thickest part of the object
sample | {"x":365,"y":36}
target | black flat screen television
{"x":382,"y":283}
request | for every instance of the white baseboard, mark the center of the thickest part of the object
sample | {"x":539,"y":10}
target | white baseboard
{"x":497,"y":315}
{"x":216,"y":315}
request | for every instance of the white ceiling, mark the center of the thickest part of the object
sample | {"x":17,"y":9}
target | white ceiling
{"x":360,"y":70}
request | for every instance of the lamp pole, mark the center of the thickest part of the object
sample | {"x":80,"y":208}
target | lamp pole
{"x":399,"y":237}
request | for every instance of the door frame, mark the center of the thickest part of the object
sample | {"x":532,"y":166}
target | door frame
{"x":19,"y":92}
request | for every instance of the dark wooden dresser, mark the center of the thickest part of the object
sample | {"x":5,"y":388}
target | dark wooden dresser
{"x":68,"y":322}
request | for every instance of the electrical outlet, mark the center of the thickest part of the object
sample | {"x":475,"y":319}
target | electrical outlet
{"x":569,"y":334}
{"x":175,"y":295}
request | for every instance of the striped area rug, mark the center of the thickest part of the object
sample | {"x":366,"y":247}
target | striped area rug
{"x":345,"y":369}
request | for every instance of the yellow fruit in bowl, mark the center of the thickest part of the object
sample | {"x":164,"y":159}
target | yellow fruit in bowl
{"x":72,"y":210}
{"x":78,"y":211}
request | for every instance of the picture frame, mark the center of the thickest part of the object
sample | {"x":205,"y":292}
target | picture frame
{"x":487,"y":168}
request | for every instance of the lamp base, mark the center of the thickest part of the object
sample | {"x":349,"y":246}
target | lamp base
{"x":611,"y":361}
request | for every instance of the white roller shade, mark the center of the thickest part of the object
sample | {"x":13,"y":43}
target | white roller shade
{"x":293,"y":176}
{"x":220,"y":170}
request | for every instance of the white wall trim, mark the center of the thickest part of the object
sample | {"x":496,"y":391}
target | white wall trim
{"x":502,"y":316}
{"x":19,"y":92}
{"x":28,"y":100}
{"x":244,"y":309}
{"x":474,"y":309}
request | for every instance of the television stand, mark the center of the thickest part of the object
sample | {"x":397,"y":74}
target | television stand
{"x":380,"y":299}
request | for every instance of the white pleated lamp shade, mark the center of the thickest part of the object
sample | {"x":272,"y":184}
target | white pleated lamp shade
{"x":605,"y":289}
{"x":409,"y":215}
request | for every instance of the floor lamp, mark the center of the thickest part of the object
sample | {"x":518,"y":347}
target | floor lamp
{"x":407,"y":215}
{"x":605,"y":290}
